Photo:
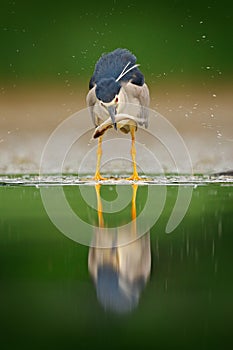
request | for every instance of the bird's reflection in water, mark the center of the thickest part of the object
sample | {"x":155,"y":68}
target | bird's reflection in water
{"x":119,"y":273}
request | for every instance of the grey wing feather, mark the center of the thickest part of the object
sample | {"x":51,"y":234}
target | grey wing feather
{"x":141,"y":93}
{"x":144,"y":98}
{"x":91,"y":101}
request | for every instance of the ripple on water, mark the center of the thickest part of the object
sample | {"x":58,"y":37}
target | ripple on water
{"x":74,"y":180}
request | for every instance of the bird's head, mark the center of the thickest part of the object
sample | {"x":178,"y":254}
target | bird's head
{"x":107,"y":91}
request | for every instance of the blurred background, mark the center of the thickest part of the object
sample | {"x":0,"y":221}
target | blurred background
{"x":48,"y":54}
{"x":48,"y":50}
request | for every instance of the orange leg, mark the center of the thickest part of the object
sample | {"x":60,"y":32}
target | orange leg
{"x":134,"y":212}
{"x":110,"y":255}
{"x":99,"y":206}
{"x":135,"y":176}
{"x":97,"y":176}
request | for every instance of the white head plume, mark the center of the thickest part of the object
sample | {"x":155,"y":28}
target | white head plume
{"x":124,"y":72}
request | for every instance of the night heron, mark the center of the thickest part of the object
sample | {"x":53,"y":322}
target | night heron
{"x":119,"y":97}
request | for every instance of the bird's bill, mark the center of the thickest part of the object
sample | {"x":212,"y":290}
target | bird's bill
{"x":112,"y":112}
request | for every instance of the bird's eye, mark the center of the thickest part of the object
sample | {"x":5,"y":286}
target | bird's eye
{"x":116,"y":99}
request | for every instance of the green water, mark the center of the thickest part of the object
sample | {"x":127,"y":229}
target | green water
{"x":49,"y":299}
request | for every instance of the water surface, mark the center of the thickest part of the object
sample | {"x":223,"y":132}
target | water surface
{"x":58,"y":293}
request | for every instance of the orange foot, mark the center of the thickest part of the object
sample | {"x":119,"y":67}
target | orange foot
{"x":98,"y":177}
{"x":134,"y":177}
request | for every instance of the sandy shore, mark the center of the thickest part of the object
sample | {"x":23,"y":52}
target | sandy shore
{"x":201,"y":115}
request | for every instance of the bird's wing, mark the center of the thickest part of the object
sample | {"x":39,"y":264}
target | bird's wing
{"x":91,"y":100}
{"x":121,"y":119}
{"x":141,"y":93}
